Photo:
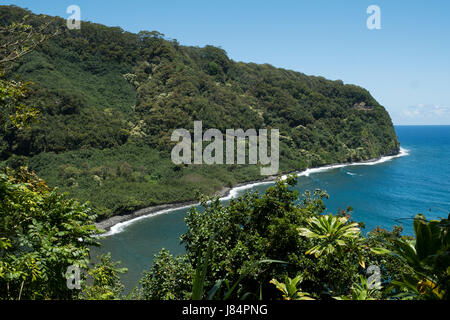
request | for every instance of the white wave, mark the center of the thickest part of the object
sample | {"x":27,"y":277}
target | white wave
{"x":119,"y":227}
{"x":307,"y":172}
{"x":351,"y":173}
{"x":234,"y":192}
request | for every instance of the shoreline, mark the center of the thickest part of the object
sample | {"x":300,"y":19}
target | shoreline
{"x":117,"y":224}
{"x":118,"y":220}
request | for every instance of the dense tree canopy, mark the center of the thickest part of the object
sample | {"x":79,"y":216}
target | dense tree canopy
{"x":277,"y":246}
{"x":109,"y":101}
{"x":106,"y":113}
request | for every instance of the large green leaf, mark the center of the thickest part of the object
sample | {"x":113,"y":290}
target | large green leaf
{"x":428,"y":237}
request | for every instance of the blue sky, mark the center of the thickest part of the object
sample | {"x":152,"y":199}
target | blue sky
{"x":405,"y":65}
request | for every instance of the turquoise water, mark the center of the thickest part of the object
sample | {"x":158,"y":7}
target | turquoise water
{"x":384,"y":194}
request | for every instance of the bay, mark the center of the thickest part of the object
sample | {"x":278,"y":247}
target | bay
{"x":383,"y":194}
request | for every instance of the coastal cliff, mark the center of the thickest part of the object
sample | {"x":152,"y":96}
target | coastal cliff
{"x":109,"y":101}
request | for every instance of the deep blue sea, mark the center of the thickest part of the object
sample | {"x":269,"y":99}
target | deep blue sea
{"x":382,"y":194}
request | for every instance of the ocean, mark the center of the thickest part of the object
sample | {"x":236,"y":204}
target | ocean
{"x":383,"y":193}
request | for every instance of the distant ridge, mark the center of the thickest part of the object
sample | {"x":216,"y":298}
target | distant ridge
{"x":110,"y":99}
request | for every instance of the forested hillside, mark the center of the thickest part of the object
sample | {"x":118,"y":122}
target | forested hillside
{"x":109,"y":101}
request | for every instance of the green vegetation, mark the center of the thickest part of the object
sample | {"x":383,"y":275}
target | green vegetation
{"x":105,"y":113}
{"x":230,"y":252}
{"x":427,"y":257}
{"x":42,"y":233}
{"x":108,"y":101}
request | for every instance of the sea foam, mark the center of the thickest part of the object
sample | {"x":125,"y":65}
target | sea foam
{"x":234,"y":192}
